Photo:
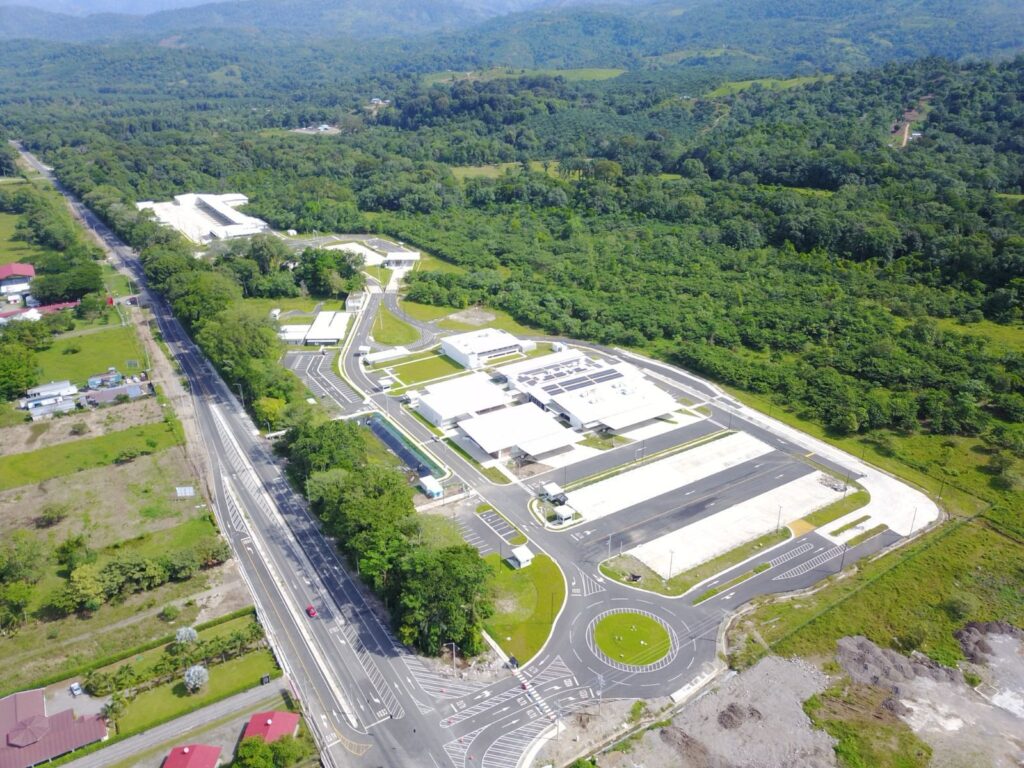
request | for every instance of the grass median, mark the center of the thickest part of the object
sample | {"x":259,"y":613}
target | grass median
{"x":388,"y":329}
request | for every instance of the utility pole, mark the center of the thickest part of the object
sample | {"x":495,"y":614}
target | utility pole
{"x":778,"y":521}
{"x":842,"y":560}
{"x":241,"y":396}
{"x":609,"y":546}
{"x":453,"y":647}
{"x":671,"y":557}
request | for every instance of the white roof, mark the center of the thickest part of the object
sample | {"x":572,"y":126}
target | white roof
{"x":466,"y":394}
{"x":522,"y":553}
{"x":385,"y":354}
{"x":389,"y":248}
{"x":617,"y":396}
{"x":535,"y":376}
{"x":203,"y":217}
{"x":293,"y":332}
{"x":370,"y":258}
{"x":431,"y":484}
{"x":528,"y":427}
{"x":551,"y":489}
{"x":480,"y":342}
{"x":328,"y":327}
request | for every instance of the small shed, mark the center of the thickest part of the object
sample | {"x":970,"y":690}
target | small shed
{"x":521,"y":556}
{"x":550,"y":490}
{"x":431,"y":487}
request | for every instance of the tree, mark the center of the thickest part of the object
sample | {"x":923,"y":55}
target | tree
{"x":254,"y":752}
{"x":196,"y":677}
{"x":86,"y":588}
{"x":17,"y":370}
{"x":287,"y":751}
{"x":114,"y":709}
{"x":21,"y":558}
{"x":186,"y":636}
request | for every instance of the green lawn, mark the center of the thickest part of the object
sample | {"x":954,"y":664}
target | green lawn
{"x":78,"y":357}
{"x":116,"y":283}
{"x":77,"y":455}
{"x":837,"y":509}
{"x":305,"y":304}
{"x":619,"y":568}
{"x":771,"y":83}
{"x":1008,"y":337}
{"x":527,"y":601}
{"x":870,"y":533}
{"x":428,"y":263}
{"x":502,"y":320}
{"x":166,"y":702}
{"x":381,"y":274}
{"x":388,"y":329}
{"x":425,"y":312}
{"x":605,"y":442}
{"x":631,"y":638}
{"x":11,"y":249}
{"x":852,"y":524}
{"x":497,"y":170}
{"x":426,"y":369}
{"x":965,"y":571}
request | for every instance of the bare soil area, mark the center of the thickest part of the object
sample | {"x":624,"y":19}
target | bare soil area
{"x":962,"y":726}
{"x":78,"y":425}
{"x":751,"y":720}
{"x":472,"y":316}
{"x":110,"y":503}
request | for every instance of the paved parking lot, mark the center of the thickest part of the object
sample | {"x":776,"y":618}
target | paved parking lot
{"x":500,"y":526}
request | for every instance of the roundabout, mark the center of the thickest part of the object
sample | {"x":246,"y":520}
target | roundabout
{"x":632,"y":640}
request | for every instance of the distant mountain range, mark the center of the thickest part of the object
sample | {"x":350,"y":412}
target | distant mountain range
{"x":794,"y":34}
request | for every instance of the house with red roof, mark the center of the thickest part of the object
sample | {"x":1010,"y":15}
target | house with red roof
{"x":15,"y":278}
{"x":271,"y":726}
{"x":28,"y":736}
{"x":193,"y":756}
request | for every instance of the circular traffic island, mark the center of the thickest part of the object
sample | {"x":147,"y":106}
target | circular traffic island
{"x":628,"y":639}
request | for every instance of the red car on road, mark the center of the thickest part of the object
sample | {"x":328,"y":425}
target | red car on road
{"x":311,"y":611}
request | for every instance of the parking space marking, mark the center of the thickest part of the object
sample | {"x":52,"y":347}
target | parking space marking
{"x":787,"y":556}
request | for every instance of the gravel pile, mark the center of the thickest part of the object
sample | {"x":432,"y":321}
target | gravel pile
{"x":871,"y":665}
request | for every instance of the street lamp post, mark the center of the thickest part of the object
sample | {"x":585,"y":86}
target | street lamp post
{"x":453,"y":647}
{"x":778,"y":521}
{"x":842,"y":560}
{"x":671,"y":557}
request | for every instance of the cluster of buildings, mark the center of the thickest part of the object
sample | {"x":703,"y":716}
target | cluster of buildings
{"x":102,"y":389}
{"x":204,"y":218}
{"x":269,"y":726}
{"x":327,"y":329}
{"x":537,"y":406}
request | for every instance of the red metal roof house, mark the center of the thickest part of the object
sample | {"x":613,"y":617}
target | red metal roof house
{"x":28,"y":736}
{"x":271,"y":726}
{"x":193,"y":756}
{"x":16,"y":270}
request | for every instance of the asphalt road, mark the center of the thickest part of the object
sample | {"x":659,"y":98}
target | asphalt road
{"x":367,"y":698}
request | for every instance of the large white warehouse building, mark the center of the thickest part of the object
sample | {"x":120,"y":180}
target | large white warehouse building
{"x":475,"y":349}
{"x":203,"y":218}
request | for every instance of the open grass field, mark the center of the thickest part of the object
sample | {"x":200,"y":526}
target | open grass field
{"x":619,"y":568}
{"x":497,"y":170}
{"x":381,"y":274}
{"x":11,"y":249}
{"x":425,"y":312}
{"x":388,"y":329}
{"x":631,"y":638}
{"x":526,"y":603}
{"x":116,"y":283}
{"x":498,"y":319}
{"x":433,"y":367}
{"x":66,"y":458}
{"x":429,"y":263}
{"x":305,"y":304}
{"x":964,"y":571}
{"x":498,"y":73}
{"x":771,"y":83}
{"x":1006,"y":337}
{"x":76,"y":358}
{"x":172,"y":700}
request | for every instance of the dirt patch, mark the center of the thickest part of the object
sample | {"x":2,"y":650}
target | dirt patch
{"x":472,"y":316}
{"x":962,"y":726}
{"x":752,"y":719}
{"x":227,"y":593}
{"x":109,"y":503}
{"x":78,"y":425}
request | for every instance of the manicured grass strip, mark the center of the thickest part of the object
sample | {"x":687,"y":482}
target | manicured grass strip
{"x":631,"y":638}
{"x":171,"y":700}
{"x":388,"y":329}
{"x":381,"y":274}
{"x":76,"y":358}
{"x":527,"y":601}
{"x":837,"y":509}
{"x":731,"y":583}
{"x":424,"y":370}
{"x":493,"y":474}
{"x":422,"y":420}
{"x":860,"y":538}
{"x":604,"y":442}
{"x":425,"y":312}
{"x":849,"y":525}
{"x":77,"y":455}
{"x":619,"y":568}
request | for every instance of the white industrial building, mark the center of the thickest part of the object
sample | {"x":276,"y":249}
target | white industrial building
{"x":327,"y":328}
{"x":355,"y":301}
{"x":370,"y":257}
{"x":475,"y":349}
{"x":395,"y":255}
{"x":522,"y":430}
{"x":203,"y":218}
{"x":448,"y":402}
{"x":589,"y":392}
